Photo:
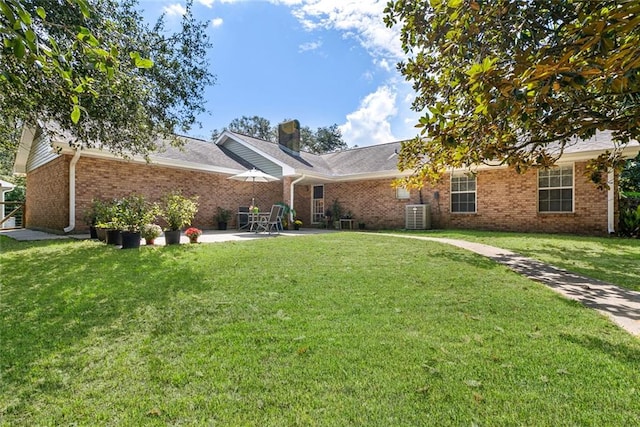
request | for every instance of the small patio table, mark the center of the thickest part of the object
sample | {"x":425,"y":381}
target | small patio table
{"x":255,"y":218}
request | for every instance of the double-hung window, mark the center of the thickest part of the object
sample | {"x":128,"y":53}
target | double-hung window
{"x":555,"y":189}
{"x":463,"y":193}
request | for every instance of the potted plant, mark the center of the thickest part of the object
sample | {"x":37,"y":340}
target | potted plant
{"x":133,"y":213}
{"x":297,"y":223}
{"x":193,"y":233}
{"x":222,"y":217}
{"x":91,"y":215}
{"x":178,"y":211}
{"x":150,"y":232}
{"x":361,"y":226}
{"x":106,"y":227}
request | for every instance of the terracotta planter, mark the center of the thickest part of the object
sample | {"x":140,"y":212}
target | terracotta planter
{"x":193,"y":239}
{"x":150,"y":241}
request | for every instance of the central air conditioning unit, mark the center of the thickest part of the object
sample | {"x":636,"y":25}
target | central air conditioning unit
{"x":417,"y":217}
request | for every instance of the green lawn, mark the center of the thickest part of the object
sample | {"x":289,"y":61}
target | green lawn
{"x":333,"y":329}
{"x":612,"y":259}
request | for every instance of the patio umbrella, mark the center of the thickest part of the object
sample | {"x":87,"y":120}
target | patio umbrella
{"x":254,"y":175}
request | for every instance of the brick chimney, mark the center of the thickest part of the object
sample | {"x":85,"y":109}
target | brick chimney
{"x":289,"y":137}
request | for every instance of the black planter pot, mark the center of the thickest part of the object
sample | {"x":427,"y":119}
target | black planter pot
{"x":93,"y":232}
{"x":222,"y":226}
{"x":130,"y":240}
{"x":114,"y":237}
{"x":172,"y":237}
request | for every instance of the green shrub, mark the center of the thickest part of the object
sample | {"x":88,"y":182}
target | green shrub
{"x":630,"y":222}
{"x":178,"y":211}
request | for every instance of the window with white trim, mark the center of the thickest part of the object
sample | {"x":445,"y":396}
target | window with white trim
{"x":555,"y":189}
{"x":463,"y":193}
{"x":402,"y":193}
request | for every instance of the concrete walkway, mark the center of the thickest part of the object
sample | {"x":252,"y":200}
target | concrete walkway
{"x":619,"y":304}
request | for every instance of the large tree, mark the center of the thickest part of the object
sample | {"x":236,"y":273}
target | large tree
{"x":256,"y":126}
{"x":97,"y":72}
{"x":324,"y":140}
{"x":515,"y":81}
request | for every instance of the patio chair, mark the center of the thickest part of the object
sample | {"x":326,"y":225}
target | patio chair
{"x":243,"y":217}
{"x":273,"y":222}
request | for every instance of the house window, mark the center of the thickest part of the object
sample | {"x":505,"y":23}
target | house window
{"x":555,"y":189}
{"x":463,"y":193}
{"x":402,"y":193}
{"x":317,"y":208}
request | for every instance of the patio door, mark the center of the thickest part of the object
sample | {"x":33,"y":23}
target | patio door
{"x":317,"y":208}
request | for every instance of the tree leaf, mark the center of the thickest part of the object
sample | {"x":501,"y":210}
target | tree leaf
{"x":75,"y":114}
{"x":144,"y":63}
{"x":18,"y":48}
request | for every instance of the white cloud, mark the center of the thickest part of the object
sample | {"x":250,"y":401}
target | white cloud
{"x":382,"y":116}
{"x":175,"y":9}
{"x":216,"y":22}
{"x":208,"y":3}
{"x":384,"y":64}
{"x":370,"y":124}
{"x":310,"y":46}
{"x":357,"y":19}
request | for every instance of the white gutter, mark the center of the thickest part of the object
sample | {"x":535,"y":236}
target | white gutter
{"x":611,"y":202}
{"x":291,"y":195}
{"x":72,"y":192}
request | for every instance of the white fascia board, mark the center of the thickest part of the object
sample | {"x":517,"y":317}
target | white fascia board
{"x":352,"y":177}
{"x":24,"y":149}
{"x":628,"y":151}
{"x":157,"y":161}
{"x":286,"y":169}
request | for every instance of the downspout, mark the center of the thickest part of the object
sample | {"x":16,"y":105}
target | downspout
{"x":291,"y":198}
{"x":611,"y":202}
{"x":72,"y":192}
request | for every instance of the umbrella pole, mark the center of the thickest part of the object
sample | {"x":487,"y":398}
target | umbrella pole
{"x":253,"y":199}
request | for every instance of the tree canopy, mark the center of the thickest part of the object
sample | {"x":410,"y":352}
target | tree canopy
{"x":515,"y":81}
{"x":324,"y":140}
{"x":99,"y":73}
{"x":630,"y":176}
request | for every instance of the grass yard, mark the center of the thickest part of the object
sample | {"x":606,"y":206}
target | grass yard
{"x":333,"y":329}
{"x":614,"y":260}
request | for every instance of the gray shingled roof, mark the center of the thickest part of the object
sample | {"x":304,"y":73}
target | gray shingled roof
{"x":601,"y":141}
{"x":306,"y":161}
{"x":375,"y":158}
{"x":379,"y":158}
{"x":198,"y":151}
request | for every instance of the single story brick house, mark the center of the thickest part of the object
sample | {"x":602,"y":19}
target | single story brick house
{"x":62,"y":182}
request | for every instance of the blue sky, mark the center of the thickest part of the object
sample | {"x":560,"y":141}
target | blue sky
{"x":318,"y":61}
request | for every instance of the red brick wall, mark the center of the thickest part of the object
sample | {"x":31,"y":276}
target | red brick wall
{"x":114,"y":179}
{"x":302,"y":203}
{"x":47,"y":204}
{"x":505,"y":200}
{"x":373,"y":202}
